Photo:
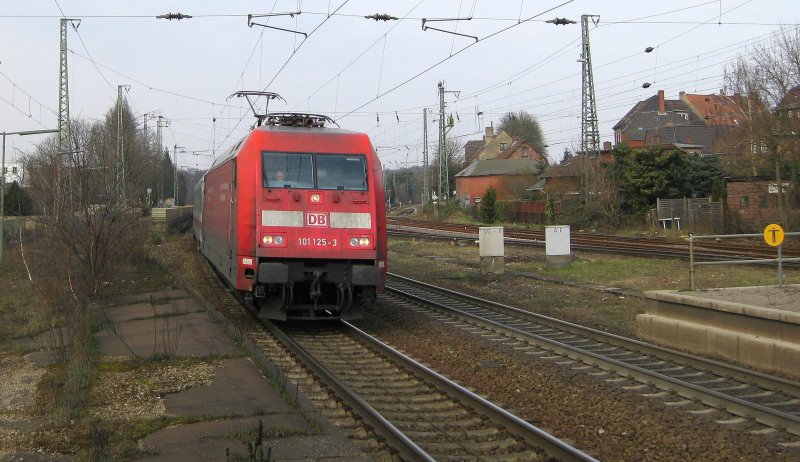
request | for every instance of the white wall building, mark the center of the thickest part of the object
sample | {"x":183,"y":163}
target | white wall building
{"x":14,"y":172}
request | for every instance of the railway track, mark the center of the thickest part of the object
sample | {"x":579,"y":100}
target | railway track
{"x":742,"y":249}
{"x":390,"y":406}
{"x":760,"y":403}
{"x":420,"y":413}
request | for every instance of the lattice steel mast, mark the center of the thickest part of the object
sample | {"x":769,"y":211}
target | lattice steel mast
{"x":425,"y":192}
{"x":590,"y":134}
{"x":443,"y":190}
{"x":119,"y":173}
{"x":63,"y":89}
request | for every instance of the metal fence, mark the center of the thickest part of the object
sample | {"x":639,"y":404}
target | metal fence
{"x":700,"y":215}
{"x":779,"y":260}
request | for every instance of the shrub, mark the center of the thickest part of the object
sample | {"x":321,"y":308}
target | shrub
{"x":488,"y":211}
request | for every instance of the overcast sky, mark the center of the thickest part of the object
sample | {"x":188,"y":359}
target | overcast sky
{"x":371,"y":76}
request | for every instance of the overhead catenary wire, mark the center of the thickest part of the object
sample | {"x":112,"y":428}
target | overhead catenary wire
{"x":519,"y":101}
{"x":437,"y":64}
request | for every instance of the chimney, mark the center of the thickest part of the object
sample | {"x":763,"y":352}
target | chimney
{"x":488,"y":136}
{"x":662,"y":106}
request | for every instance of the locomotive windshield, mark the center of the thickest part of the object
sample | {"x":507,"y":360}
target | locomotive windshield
{"x":346,"y":172}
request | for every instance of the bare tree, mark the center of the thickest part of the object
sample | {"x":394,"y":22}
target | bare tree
{"x":524,"y":126}
{"x":768,"y":80}
{"x":90,"y":213}
{"x":454,"y":160}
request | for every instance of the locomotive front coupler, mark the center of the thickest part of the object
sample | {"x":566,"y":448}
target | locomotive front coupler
{"x":316,"y":287}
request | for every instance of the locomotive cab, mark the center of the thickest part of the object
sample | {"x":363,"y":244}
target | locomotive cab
{"x":317,"y":249}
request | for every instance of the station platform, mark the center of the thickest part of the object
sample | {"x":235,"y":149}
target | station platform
{"x":230,"y":403}
{"x":756,"y":327}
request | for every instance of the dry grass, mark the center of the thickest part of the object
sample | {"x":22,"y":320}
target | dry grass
{"x":72,"y":398}
{"x":19,"y":302}
{"x":619,"y":271}
{"x":457,"y":267}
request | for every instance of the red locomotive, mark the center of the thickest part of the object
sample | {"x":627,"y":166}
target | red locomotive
{"x":293,"y":217}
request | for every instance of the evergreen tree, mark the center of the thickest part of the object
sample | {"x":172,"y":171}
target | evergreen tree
{"x":488,"y":211}
{"x":17,"y":201}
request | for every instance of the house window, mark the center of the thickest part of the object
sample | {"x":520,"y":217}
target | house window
{"x":13,"y":170}
{"x":683,"y":115}
{"x":762,"y":202}
{"x":524,"y":153}
{"x":652,"y":139}
{"x":503,"y":146}
{"x":744,"y":202}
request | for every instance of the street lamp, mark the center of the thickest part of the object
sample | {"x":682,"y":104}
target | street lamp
{"x":3,"y":181}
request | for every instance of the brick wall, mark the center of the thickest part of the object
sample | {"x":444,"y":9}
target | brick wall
{"x":476,"y":186}
{"x":753,"y":204}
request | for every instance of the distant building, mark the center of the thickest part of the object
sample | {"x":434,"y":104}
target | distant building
{"x":510,"y":178}
{"x":499,"y":146}
{"x":754,"y":201}
{"x":563,"y":181}
{"x":696,"y":120}
{"x":14,"y":172}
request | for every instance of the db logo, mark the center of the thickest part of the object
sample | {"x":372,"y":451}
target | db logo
{"x":316,"y":219}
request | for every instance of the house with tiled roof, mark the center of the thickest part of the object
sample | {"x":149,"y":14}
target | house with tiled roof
{"x":471,"y":150}
{"x":696,"y":120}
{"x":509,"y":177}
{"x":563,"y":181}
{"x":499,"y":146}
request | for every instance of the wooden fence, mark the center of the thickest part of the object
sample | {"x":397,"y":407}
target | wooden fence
{"x":173,"y":219}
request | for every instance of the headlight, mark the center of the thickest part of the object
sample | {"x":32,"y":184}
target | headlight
{"x":360,"y":242}
{"x":273,"y":240}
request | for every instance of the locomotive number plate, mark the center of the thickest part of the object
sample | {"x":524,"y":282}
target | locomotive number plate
{"x":317,"y":242}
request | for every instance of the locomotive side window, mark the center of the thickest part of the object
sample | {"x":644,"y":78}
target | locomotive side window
{"x":288,"y":171}
{"x":345,"y":172}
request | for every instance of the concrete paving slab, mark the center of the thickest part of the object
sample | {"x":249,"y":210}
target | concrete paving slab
{"x":195,"y":334}
{"x":210,"y":440}
{"x":238,"y":389}
{"x":147,"y":297}
{"x":120,"y":313}
{"x":315,"y":448}
{"x":17,"y":456}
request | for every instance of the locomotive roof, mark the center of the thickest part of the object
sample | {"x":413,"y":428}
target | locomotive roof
{"x":232,"y":151}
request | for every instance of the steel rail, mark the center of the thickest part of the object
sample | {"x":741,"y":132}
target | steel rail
{"x":407,"y":449}
{"x":737,"y":406}
{"x":517,"y":426}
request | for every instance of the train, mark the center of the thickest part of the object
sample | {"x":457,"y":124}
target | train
{"x":293,"y":218}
